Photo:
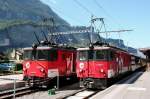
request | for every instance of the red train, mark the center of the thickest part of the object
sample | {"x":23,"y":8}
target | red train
{"x":40,"y":63}
{"x":98,"y":65}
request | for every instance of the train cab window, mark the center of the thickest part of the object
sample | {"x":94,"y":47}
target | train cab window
{"x":47,"y":55}
{"x":27,"y":55}
{"x":82,"y":55}
{"x":42,"y":55}
{"x":101,"y":55}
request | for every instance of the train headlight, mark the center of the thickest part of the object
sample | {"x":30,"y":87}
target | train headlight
{"x":101,"y":70}
{"x":27,"y":65}
{"x":81,"y":65}
{"x":24,"y":69}
{"x":40,"y":68}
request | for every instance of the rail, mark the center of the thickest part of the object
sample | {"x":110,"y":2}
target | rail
{"x":83,"y":94}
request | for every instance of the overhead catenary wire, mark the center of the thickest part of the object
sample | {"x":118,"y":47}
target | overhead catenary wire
{"x":58,"y":35}
{"x":112,"y":19}
{"x":61,"y":12}
{"x":84,"y":7}
{"x":106,"y":12}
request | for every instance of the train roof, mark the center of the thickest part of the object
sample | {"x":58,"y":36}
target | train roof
{"x":102,"y":48}
{"x":44,"y":47}
{"x":49,"y":47}
{"x":95,"y":48}
{"x":139,"y":54}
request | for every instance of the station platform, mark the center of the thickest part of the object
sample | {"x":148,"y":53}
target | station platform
{"x":136,"y":87}
{"x":7,"y":82}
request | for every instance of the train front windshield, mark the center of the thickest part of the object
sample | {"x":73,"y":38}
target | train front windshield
{"x":83,"y":55}
{"x":40,"y":55}
{"x":95,"y":55}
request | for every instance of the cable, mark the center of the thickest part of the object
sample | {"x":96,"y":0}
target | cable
{"x":73,"y":19}
{"x":106,"y":13}
{"x":82,"y":6}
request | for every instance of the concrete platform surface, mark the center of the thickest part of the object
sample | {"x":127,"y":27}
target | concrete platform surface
{"x":139,"y":89}
{"x":7,"y":82}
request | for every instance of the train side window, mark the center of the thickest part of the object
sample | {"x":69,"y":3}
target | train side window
{"x":91,"y":54}
{"x":63,"y":57}
{"x":112,"y":55}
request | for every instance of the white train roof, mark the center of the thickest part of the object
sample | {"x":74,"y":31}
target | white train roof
{"x":95,"y":48}
{"x":40,"y":48}
{"x":139,"y":54}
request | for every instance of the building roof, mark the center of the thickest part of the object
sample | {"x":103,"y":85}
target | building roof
{"x":144,"y":49}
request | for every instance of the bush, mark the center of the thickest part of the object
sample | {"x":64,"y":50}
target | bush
{"x":18,"y":67}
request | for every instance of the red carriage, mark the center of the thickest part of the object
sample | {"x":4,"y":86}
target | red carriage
{"x":97,"y":66}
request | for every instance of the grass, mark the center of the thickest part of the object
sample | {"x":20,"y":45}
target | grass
{"x":5,"y":24}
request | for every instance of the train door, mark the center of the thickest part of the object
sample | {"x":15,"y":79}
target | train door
{"x":113,"y":63}
{"x":67,"y":60}
{"x":119,"y":62}
{"x":74,"y":62}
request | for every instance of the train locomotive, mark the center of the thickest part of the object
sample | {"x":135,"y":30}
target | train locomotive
{"x":40,"y":63}
{"x":98,"y":65}
{"x":46,"y":61}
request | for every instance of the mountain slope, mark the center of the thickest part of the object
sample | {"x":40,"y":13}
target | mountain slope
{"x":20,"y":18}
{"x":33,"y":10}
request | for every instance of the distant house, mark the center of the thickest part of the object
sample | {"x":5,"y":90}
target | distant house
{"x":17,"y":55}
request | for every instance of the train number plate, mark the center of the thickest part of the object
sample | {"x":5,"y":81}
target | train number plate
{"x":53,"y":73}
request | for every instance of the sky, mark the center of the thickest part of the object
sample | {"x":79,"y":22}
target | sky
{"x":118,"y":15}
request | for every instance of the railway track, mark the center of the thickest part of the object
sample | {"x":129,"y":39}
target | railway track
{"x":78,"y":94}
{"x":81,"y":94}
{"x":18,"y":92}
{"x":86,"y":93}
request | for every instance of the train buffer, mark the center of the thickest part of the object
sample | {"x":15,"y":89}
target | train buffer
{"x":136,"y":87}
